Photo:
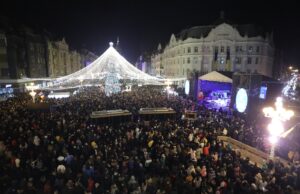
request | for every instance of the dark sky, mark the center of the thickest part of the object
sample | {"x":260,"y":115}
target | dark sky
{"x":141,"y":25}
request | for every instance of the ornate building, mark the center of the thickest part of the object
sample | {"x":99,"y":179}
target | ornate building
{"x":87,"y":57}
{"x":222,"y":46}
{"x":61,"y":60}
{"x":35,"y":54}
{"x":24,"y":53}
{"x":4,"y":71}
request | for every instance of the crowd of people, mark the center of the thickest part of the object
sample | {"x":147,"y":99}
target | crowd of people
{"x":63,"y":151}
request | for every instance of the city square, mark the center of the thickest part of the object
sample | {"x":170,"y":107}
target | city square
{"x":114,"y":98}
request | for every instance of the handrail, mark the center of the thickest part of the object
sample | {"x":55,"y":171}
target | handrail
{"x":251,"y":152}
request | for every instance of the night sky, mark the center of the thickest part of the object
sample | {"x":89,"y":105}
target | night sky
{"x":141,"y":25}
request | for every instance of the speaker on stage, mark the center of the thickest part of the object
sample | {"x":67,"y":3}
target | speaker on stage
{"x":245,"y":92}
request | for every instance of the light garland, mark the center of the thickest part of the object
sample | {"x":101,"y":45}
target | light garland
{"x":110,"y":62}
{"x":290,"y":89}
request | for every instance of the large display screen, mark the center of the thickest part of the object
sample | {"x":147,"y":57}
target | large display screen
{"x":241,"y":100}
{"x":187,"y":87}
{"x":263,"y":92}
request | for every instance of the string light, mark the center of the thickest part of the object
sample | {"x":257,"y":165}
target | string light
{"x":109,"y":62}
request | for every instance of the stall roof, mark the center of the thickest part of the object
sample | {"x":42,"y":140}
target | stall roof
{"x":216,"y":77}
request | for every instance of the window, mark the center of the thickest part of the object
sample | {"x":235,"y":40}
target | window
{"x":238,"y":60}
{"x":188,"y":60}
{"x":250,"y":49}
{"x":183,"y":50}
{"x":222,"y":60}
{"x":4,"y":72}
{"x":183,"y":61}
{"x":256,"y":60}
{"x":222,"y":49}
{"x":195,"y":60}
{"x":216,"y":49}
{"x":228,"y":49}
{"x":2,"y":58}
{"x":257,"y":49}
{"x":249,"y":60}
{"x":189,"y":49}
{"x":196,"y":49}
{"x":237,"y":49}
{"x":2,"y":42}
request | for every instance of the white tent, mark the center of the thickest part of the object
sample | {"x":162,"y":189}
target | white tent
{"x":215,"y":77}
{"x":110,"y":62}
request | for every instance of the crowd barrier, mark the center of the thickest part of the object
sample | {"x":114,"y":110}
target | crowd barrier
{"x":255,"y":156}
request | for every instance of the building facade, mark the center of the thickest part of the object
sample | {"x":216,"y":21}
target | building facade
{"x":35,"y":54}
{"x":4,"y":70}
{"x":87,"y":57}
{"x":25,"y":53}
{"x":222,"y":47}
{"x":62,"y":61}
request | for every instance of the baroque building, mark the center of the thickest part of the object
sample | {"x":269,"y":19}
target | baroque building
{"x":222,"y":46}
{"x":24,"y":53}
{"x":4,"y":71}
{"x":62,"y":61}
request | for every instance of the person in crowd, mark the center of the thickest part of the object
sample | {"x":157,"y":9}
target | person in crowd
{"x":63,"y":151}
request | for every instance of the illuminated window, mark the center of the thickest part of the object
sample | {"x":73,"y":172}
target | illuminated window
{"x":222,"y":60}
{"x":238,"y":60}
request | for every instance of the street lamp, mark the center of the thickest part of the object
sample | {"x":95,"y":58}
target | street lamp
{"x":275,"y":128}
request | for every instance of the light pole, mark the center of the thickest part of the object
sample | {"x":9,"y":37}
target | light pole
{"x":275,"y":128}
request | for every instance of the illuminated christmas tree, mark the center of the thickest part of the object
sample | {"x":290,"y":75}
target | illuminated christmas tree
{"x":112,"y":84}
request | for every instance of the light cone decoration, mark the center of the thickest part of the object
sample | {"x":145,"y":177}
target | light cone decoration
{"x":109,"y":63}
